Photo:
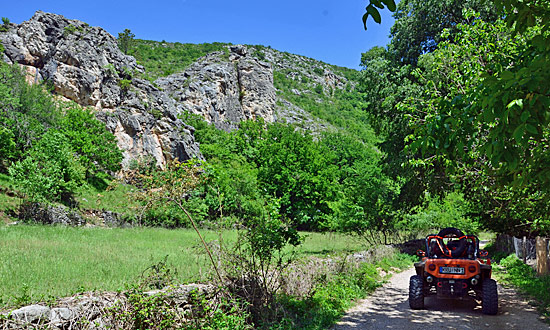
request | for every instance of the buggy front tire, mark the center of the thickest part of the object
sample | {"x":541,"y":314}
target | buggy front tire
{"x":416,"y":292}
{"x":489,"y":298}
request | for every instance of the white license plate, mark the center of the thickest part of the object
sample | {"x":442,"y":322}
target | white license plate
{"x":451,"y":270}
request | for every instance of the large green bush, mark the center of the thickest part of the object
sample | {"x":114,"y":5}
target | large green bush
{"x":49,"y":147}
{"x":333,"y":182}
{"x":49,"y":170}
{"x":96,"y":147}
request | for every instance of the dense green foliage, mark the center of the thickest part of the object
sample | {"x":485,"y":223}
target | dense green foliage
{"x":471,"y":85}
{"x":487,"y":119}
{"x":50,"y":148}
{"x":419,"y":23}
{"x":161,"y":59}
{"x":330,"y":183}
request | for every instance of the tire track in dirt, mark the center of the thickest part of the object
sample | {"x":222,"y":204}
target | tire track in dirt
{"x":388,"y":308}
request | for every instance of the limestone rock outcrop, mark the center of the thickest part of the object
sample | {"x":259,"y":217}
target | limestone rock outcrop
{"x":224,"y":88}
{"x":85,"y":65}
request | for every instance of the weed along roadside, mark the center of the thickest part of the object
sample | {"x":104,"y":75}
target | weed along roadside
{"x":312,"y":291}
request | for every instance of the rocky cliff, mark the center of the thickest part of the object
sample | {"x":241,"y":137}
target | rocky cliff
{"x":85,"y":65}
{"x":224,"y":88}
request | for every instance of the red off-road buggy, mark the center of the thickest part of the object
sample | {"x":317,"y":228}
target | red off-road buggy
{"x":453,"y":267}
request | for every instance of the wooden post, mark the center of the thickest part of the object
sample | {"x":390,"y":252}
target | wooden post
{"x":524,"y":249}
{"x":542,"y":256}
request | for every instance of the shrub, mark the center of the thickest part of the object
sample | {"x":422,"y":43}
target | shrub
{"x":49,"y":169}
{"x":71,"y":29}
{"x":96,"y":147}
{"x":319,"y":89}
{"x":5,"y":25}
{"x":450,"y":211}
{"x":125,"y":84}
{"x":27,"y":111}
{"x":319,"y":71}
{"x":7,"y":145}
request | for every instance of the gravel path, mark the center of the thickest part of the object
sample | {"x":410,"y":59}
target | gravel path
{"x":388,"y":308}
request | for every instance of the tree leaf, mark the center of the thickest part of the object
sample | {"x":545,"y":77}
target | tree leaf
{"x":377,"y":3}
{"x":525,"y":116}
{"x":518,"y":133}
{"x":531,"y":129}
{"x":390,"y":4}
{"x":374,"y":13}
{"x":507,"y":75}
{"x":365,"y":17}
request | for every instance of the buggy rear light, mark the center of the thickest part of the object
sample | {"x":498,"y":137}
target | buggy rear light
{"x":464,"y":285}
{"x":431,"y":267}
{"x":472,"y":269}
{"x":439,"y":284}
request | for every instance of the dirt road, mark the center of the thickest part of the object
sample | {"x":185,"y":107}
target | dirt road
{"x":388,"y":308}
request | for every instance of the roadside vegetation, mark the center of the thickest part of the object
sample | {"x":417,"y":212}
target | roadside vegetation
{"x":512,"y":271}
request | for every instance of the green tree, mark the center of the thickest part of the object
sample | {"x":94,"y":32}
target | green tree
{"x":96,"y":147}
{"x":487,"y":117}
{"x":298,"y":172}
{"x":126,"y":41}
{"x":49,"y":171}
{"x":26,"y":111}
{"x":419,"y":23}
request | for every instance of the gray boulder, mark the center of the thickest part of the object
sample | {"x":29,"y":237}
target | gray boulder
{"x":49,"y":214}
{"x":31,"y":314}
{"x":59,"y":316}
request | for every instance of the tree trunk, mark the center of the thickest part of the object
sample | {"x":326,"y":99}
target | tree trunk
{"x":542,"y":256}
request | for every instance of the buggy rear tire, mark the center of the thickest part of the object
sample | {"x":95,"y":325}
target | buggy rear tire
{"x":489,"y":298}
{"x":416,"y":292}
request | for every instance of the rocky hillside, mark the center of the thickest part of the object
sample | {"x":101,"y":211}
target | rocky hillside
{"x":85,"y":65}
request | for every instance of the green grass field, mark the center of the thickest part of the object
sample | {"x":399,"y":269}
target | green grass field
{"x":40,"y":262}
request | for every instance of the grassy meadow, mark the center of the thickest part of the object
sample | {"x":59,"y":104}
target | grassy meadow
{"x":42,"y":262}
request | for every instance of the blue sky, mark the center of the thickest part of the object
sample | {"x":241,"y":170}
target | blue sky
{"x":327,"y":30}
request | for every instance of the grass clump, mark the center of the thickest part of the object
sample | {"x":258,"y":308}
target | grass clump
{"x":514,"y":271}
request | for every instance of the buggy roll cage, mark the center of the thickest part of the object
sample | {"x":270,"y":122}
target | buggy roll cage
{"x":471,"y":240}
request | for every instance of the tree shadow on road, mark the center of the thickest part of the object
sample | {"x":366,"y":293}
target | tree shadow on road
{"x":388,"y":308}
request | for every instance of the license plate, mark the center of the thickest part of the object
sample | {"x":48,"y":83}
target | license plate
{"x":451,"y":270}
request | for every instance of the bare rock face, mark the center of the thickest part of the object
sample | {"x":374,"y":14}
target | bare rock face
{"x":224,"y":88}
{"x":85,"y":65}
